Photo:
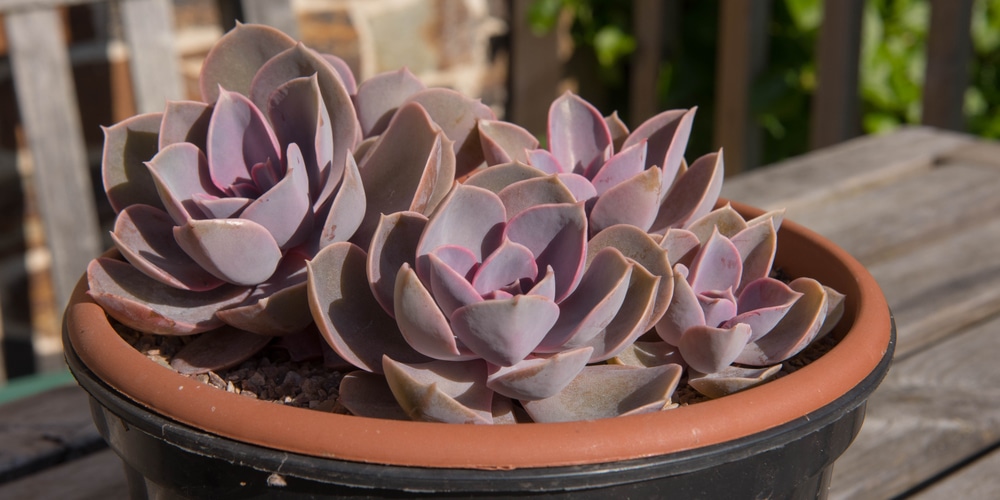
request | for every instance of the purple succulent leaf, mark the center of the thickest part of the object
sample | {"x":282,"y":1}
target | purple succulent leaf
{"x":538,"y":377}
{"x":504,"y":411}
{"x":408,"y":169}
{"x":799,"y":326}
{"x":618,"y":129}
{"x":543,"y":160}
{"x":762,"y":304}
{"x":236,"y":57}
{"x":578,"y":136}
{"x":681,"y":245}
{"x":421,"y":321}
{"x":451,"y":289}
{"x":648,"y":354}
{"x":633,"y":318}
{"x":239,"y":251}
{"x":144,"y":236}
{"x":378,"y":98}
{"x":179,"y":173}
{"x":708,"y":349}
{"x":557,"y":237}
{"x":633,"y":202}
{"x":299,"y":61}
{"x":217,"y":350}
{"x":620,"y":168}
{"x":185,"y":121}
{"x":505,"y":331}
{"x":264,"y":176}
{"x":368,"y":395}
{"x":238,"y":138}
{"x":285,"y":210}
{"x":693,"y":195}
{"x":348,"y":207}
{"x":457,"y":116}
{"x":145,"y":304}
{"x":730,"y":380}
{"x":343,"y":72}
{"x":505,"y":142}
{"x":498,"y":177}
{"x":668,"y":134}
{"x":306,"y":345}
{"x":509,"y":263}
{"x":545,"y":287}
{"x":774,"y":216}
{"x":363,"y":148}
{"x":439,"y":391}
{"x":347,"y":314}
{"x":581,"y":188}
{"x":725,"y":220}
{"x":717,"y":266}
{"x":469,"y":217}
{"x":525,"y":194}
{"x":393,"y":244}
{"x":283,"y":311}
{"x":219,"y":208}
{"x":834,"y":311}
{"x":588,"y":311}
{"x":757,"y":245}
{"x":605,"y":391}
{"x":719,"y":306}
{"x":299,"y":116}
{"x":128,"y":144}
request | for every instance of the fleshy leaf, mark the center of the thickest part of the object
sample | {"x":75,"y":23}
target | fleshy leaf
{"x":421,"y":321}
{"x":469,"y":217}
{"x":717,"y":266}
{"x":505,"y":142}
{"x":668,"y":134}
{"x":497,"y":177}
{"x":457,"y":116}
{"x":634,"y":202}
{"x":509,"y":263}
{"x":393,"y":244}
{"x":438,"y":391}
{"x":633,"y":318}
{"x":285,"y":210}
{"x":180,"y":174}
{"x":217,"y":350}
{"x":648,"y":354}
{"x":379,"y":97}
{"x":693,"y":195}
{"x":451,"y":288}
{"x":185,"y":121}
{"x":683,"y":312}
{"x":727,"y":221}
{"x":557,"y":237}
{"x":238,"y":138}
{"x":538,"y":378}
{"x":622,"y":167}
{"x":279,"y":306}
{"x":730,"y":380}
{"x":578,"y":136}
{"x":757,"y":245}
{"x":708,"y":350}
{"x":619,"y":131}
{"x":299,"y":116}
{"x":504,"y":331}
{"x":762,"y":304}
{"x":348,"y":207}
{"x":238,"y":251}
{"x":236,"y":57}
{"x":681,"y":245}
{"x":525,"y":194}
{"x":128,"y":144}
{"x":368,"y":395}
{"x":799,"y":326}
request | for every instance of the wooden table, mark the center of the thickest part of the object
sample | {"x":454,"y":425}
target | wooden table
{"x":920,"y":208}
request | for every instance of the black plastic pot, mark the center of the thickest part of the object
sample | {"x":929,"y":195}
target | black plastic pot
{"x":165,"y":459}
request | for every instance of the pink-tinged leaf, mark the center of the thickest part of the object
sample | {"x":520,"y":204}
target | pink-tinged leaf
{"x":633,"y":202}
{"x":283,"y":311}
{"x":180,"y":174}
{"x":509,"y":263}
{"x":668,"y":134}
{"x":730,"y":380}
{"x":538,"y":377}
{"x":684,"y":312}
{"x":239,"y":251}
{"x":504,"y":411}
{"x":219,"y":208}
{"x":497,"y":177}
{"x":128,"y":144}
{"x":605,"y":391}
{"x":708,"y":350}
{"x":348,"y":208}
{"x":834,"y":311}
{"x":445,"y":392}
{"x":525,"y":194}
{"x":727,"y":221}
{"x":505,"y":142}
{"x":378,"y":98}
{"x":144,"y":304}
{"x":238,"y":138}
{"x":285,"y":210}
{"x":545,"y":287}
{"x":719,"y":307}
{"x":451,"y":290}
{"x":347,"y":314}
{"x":717,"y":266}
{"x":457,"y":116}
{"x":368,"y":395}
{"x":421,"y":321}
{"x":236,"y":57}
{"x":144,"y":235}
{"x":217,"y":350}
{"x":185,"y":121}
{"x":408,"y":169}
{"x":762,"y":304}
{"x":799,"y":326}
{"x":693,"y":195}
{"x":633,"y":318}
{"x":543,"y":160}
{"x":504,"y":331}
{"x":469,"y":217}
{"x":578,"y":136}
{"x":299,"y":116}
{"x":774,"y":216}
{"x":343,"y":72}
{"x":619,"y":131}
{"x":299,"y":61}
{"x":581,"y":188}
{"x":557,"y":237}
{"x":757,"y":245}
{"x":593,"y":305}
{"x":393,"y":244}
{"x":681,"y":246}
{"x":648,"y":354}
{"x":622,"y":167}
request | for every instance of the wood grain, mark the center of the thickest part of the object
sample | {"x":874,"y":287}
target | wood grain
{"x":978,"y":480}
{"x":98,"y":476}
{"x":835,"y":106}
{"x":153,"y":62}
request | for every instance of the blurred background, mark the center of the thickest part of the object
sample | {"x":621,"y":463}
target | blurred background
{"x":757,"y":70}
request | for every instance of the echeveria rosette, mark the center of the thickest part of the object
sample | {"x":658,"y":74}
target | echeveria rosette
{"x":637,"y":178}
{"x":728,"y":320}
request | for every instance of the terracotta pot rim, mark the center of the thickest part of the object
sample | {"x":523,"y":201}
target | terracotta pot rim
{"x":866,"y":331}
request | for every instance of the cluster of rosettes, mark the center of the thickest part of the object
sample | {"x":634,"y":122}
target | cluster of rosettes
{"x":468,"y":274}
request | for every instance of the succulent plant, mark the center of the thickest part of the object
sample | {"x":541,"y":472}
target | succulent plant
{"x":467,"y":274}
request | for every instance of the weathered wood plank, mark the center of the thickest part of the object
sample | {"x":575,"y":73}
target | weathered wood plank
{"x":934,"y":409}
{"x":535,"y":71}
{"x":153,"y":63}
{"x":830,"y":173}
{"x":978,"y":480}
{"x":836,"y":103}
{"x":51,"y":121}
{"x":97,"y":476}
{"x":647,"y":26}
{"x":277,"y":13}
{"x":949,"y":49}
{"x":43,"y":430}
{"x":15,"y":5}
